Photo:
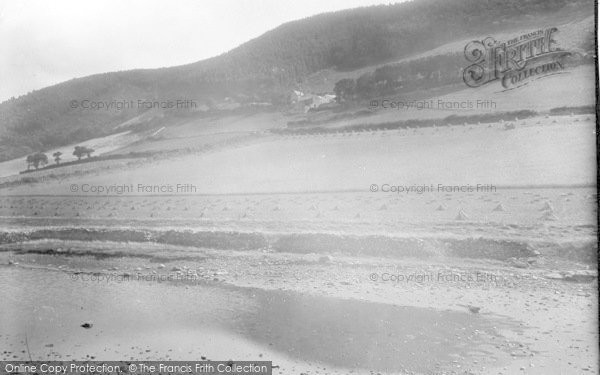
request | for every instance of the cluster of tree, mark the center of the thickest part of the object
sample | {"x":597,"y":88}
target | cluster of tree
{"x":266,"y":68}
{"x":39,"y":159}
{"x":82,"y":150}
{"x":36,"y":160}
{"x":423,"y":74}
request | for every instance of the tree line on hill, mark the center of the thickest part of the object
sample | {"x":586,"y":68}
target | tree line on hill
{"x":40,"y":159}
{"x":424,"y":73}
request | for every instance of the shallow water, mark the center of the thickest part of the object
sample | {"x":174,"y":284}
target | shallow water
{"x":149,"y":320}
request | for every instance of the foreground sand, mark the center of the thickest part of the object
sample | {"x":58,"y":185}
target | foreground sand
{"x":532,"y":320}
{"x":302,"y":280}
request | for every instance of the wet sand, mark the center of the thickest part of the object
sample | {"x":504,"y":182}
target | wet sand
{"x":305,"y":312}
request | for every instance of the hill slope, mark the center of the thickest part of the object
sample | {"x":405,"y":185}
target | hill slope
{"x":263,"y":69}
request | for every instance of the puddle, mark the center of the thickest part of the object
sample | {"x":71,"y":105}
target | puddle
{"x":143,"y":320}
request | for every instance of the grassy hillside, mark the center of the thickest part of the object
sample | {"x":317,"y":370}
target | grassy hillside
{"x":265,"y":69}
{"x":450,"y":155}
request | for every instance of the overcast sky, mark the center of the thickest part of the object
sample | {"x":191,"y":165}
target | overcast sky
{"x":46,"y":42}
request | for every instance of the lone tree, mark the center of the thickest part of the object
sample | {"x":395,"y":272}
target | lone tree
{"x":345,"y":89}
{"x":37,"y":159}
{"x":82,"y":150}
{"x":29,"y":161}
{"x":57,"y":155}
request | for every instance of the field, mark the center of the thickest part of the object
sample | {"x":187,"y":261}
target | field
{"x":472,"y":154}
